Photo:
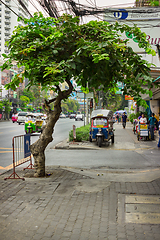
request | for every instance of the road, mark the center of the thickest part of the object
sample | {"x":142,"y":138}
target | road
{"x":8,"y":130}
{"x":126,"y":155}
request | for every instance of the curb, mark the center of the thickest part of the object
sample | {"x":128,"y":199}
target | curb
{"x":65,"y":144}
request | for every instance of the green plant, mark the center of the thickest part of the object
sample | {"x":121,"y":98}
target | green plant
{"x":131,"y":117}
{"x":82,"y":134}
{"x":153,"y":3}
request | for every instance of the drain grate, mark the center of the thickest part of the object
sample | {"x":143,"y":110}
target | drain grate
{"x":143,"y":209}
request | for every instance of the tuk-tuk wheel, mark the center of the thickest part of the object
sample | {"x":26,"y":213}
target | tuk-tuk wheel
{"x":99,"y":141}
{"x":138,"y":137}
{"x":30,"y":130}
{"x":113,"y":139}
{"x":90,"y":139}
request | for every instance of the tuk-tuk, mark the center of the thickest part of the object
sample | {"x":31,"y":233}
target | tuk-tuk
{"x":34,"y":123}
{"x":101,"y":126}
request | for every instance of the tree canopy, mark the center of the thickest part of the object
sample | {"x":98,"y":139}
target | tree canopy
{"x":70,"y":105}
{"x":53,"y":50}
{"x":94,"y":54}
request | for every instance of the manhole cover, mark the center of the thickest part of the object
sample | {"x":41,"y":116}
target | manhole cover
{"x":143,"y":209}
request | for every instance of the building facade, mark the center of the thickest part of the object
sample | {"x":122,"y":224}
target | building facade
{"x":9,"y":12}
{"x":148,"y":20}
{"x":8,"y":20}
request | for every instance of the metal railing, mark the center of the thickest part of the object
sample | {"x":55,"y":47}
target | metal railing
{"x":21,"y":154}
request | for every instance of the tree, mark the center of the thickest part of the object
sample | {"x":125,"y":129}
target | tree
{"x":56,"y":50}
{"x":70,"y":105}
{"x":111,"y":100}
{"x":6,"y":106}
{"x":34,"y":94}
{"x":27,"y":93}
{"x":24,"y":101}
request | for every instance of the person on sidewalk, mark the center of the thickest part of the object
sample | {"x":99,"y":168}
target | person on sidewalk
{"x":117,"y":117}
{"x":143,"y":119}
{"x":140,"y":116}
{"x":124,"y":119}
{"x":152,"y":120}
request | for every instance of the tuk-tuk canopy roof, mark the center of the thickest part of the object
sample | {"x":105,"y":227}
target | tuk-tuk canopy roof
{"x":102,"y":113}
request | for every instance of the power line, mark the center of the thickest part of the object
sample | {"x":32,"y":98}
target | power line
{"x":24,"y":7}
{"x":33,"y":5}
{"x":11,"y":10}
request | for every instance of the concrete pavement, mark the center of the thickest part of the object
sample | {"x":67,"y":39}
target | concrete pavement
{"x":78,"y":202}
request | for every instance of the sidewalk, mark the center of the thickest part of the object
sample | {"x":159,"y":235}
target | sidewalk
{"x":65,"y":144}
{"x":80,"y":204}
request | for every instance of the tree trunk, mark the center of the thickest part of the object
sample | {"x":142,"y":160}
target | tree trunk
{"x":38,"y":148}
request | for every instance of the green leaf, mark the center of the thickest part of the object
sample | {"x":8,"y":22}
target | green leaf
{"x":4,"y":55}
{"x":150,"y":93}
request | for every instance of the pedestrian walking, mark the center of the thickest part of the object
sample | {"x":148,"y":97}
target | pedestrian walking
{"x":152,"y":120}
{"x":124,"y":119}
{"x":117,"y":118}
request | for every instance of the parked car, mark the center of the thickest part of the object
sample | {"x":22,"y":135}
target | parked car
{"x":62,"y":115}
{"x":73,"y":115}
{"x":14,"y":117}
{"x":79,"y":117}
{"x":21,"y":117}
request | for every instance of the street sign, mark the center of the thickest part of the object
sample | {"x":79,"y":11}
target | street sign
{"x":27,"y":151}
{"x":147,"y":19}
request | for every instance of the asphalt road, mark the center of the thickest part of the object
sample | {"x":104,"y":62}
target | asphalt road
{"x":8,"y":130}
{"x":126,"y":153}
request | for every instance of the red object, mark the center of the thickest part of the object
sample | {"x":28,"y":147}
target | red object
{"x":91,"y":103}
{"x":14,"y":117}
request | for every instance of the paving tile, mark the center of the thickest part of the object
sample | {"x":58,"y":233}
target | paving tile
{"x":81,"y":216}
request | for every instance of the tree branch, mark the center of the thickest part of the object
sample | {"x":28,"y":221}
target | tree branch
{"x":51,"y":100}
{"x":58,"y":88}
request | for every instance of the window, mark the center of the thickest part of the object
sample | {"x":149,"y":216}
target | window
{"x":100,"y":121}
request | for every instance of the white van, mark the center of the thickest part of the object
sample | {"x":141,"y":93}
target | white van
{"x":21,"y":117}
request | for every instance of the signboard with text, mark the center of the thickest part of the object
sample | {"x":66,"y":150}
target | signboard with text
{"x":27,"y":151}
{"x":147,"y":19}
{"x":128,"y":97}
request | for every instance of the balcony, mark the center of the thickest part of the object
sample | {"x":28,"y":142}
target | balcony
{"x":6,"y":40}
{"x":7,"y":13}
{"x":7,"y":34}
{"x":7,"y":29}
{"x":7,"y":23}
